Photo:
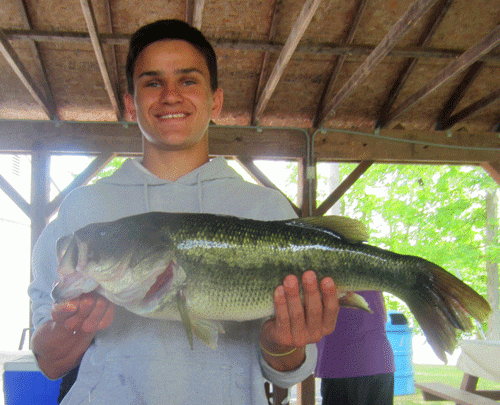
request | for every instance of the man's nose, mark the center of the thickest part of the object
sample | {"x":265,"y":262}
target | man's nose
{"x":170,"y":94}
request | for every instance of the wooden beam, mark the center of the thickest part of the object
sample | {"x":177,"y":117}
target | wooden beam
{"x":396,"y":32}
{"x":338,"y":64}
{"x":493,"y":169}
{"x":467,"y":59}
{"x":15,"y":196}
{"x":88,"y":13}
{"x":303,"y":20}
{"x":265,"y":60}
{"x":436,"y":19}
{"x":458,"y":94}
{"x":325,"y":49}
{"x":23,"y":11}
{"x":99,"y":162}
{"x":94,"y":138}
{"x":471,"y":109}
{"x":251,"y":168}
{"x":343,"y":187}
{"x":415,"y":147}
{"x":22,"y":73}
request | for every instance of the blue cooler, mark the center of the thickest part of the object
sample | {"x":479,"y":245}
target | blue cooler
{"x":399,"y":335}
{"x":24,"y":383}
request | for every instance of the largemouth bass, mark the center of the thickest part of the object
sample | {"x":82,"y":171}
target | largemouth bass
{"x":202,"y":269}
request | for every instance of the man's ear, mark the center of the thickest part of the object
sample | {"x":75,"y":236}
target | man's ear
{"x":128,"y":99}
{"x":218,"y":99}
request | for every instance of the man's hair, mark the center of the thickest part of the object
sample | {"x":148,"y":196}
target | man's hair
{"x":169,"y":29}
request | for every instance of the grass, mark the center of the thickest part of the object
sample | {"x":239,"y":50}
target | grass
{"x":444,"y":374}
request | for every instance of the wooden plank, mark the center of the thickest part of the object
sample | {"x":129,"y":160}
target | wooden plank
{"x":440,"y":392}
{"x":493,"y":169}
{"x":265,"y":60}
{"x":406,"y":71}
{"x":51,"y":105}
{"x":298,"y":29}
{"x":15,"y":196}
{"x":339,"y":63}
{"x":396,"y":32}
{"x":88,"y":13}
{"x":453,"y":68}
{"x":457,"y":95}
{"x":325,"y":49}
{"x":343,"y":187}
{"x":251,"y":168}
{"x":471,"y":109}
{"x":394,"y":146}
{"x":22,"y":73}
{"x":94,"y":138}
{"x":90,"y":171}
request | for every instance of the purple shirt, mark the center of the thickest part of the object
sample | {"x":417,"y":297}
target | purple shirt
{"x":359,"y":345}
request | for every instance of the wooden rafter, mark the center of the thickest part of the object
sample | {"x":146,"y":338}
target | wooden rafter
{"x":303,"y":20}
{"x":457,"y":95}
{"x":23,"y":10}
{"x":471,"y":109}
{"x":338,"y":64}
{"x":265,"y":59}
{"x":325,"y":49}
{"x":251,"y":168}
{"x":88,"y":13}
{"x":493,"y":169}
{"x":343,"y":187}
{"x":436,"y":19}
{"x":397,"y":31}
{"x":194,"y":12}
{"x":453,"y":68}
{"x":22,"y":73}
{"x":17,"y":198}
{"x":99,"y":162}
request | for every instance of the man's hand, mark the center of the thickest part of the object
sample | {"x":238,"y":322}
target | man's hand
{"x":60,"y":344}
{"x":298,"y":323}
{"x":88,"y":313}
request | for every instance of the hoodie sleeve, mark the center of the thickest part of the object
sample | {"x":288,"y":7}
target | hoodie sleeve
{"x":290,"y":378}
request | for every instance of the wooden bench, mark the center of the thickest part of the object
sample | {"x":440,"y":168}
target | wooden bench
{"x":441,"y":392}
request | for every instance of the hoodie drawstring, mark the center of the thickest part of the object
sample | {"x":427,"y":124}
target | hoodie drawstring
{"x":146,"y":197}
{"x":200,"y":194}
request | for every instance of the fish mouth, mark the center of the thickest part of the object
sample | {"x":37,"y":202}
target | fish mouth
{"x":162,"y":284}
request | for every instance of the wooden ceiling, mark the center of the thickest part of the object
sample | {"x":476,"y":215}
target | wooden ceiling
{"x":340,"y":80}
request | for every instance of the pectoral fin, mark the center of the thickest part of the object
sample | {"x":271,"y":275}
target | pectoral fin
{"x":204,"y":329}
{"x":353,"y":300}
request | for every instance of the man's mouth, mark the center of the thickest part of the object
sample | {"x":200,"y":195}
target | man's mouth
{"x":172,"y":116}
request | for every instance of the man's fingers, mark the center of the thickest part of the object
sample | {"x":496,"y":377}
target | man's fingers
{"x":313,"y":304}
{"x":330,"y":305}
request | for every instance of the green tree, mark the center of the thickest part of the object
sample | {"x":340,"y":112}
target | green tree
{"x":437,"y":212}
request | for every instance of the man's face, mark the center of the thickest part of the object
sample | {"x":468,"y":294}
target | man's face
{"x":172,"y":102}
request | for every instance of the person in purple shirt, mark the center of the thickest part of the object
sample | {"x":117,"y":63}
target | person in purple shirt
{"x":356,"y":362}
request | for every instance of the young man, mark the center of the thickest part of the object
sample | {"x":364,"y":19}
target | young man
{"x":127,"y":359}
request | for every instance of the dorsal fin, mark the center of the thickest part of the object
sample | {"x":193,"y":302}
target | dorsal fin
{"x":352,"y":230}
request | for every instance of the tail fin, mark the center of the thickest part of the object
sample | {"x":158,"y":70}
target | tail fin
{"x":443,"y":305}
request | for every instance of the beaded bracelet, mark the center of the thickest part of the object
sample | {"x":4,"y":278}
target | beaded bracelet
{"x":277,"y":354}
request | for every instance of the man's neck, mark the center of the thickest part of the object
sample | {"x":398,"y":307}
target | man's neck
{"x":173,"y":164}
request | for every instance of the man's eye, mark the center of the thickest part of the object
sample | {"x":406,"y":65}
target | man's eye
{"x":152,"y":84}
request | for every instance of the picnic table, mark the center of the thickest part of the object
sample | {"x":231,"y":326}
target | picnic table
{"x":479,"y":359}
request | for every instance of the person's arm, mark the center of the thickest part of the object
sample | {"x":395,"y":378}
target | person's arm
{"x":59,"y":344}
{"x":296,"y":323}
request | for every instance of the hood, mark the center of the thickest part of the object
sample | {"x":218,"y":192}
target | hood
{"x":132,"y":173}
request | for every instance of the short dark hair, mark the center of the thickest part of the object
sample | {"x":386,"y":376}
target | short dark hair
{"x":169,"y":29}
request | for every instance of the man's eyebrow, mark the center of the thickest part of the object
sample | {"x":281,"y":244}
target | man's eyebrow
{"x":155,"y":73}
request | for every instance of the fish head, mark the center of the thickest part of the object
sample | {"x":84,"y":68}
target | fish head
{"x":130,"y":263}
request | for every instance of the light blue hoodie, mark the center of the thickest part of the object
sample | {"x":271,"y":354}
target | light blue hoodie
{"x":144,"y":361}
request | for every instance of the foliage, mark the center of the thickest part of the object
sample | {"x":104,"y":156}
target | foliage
{"x":109,"y":169}
{"x":437,"y":212}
